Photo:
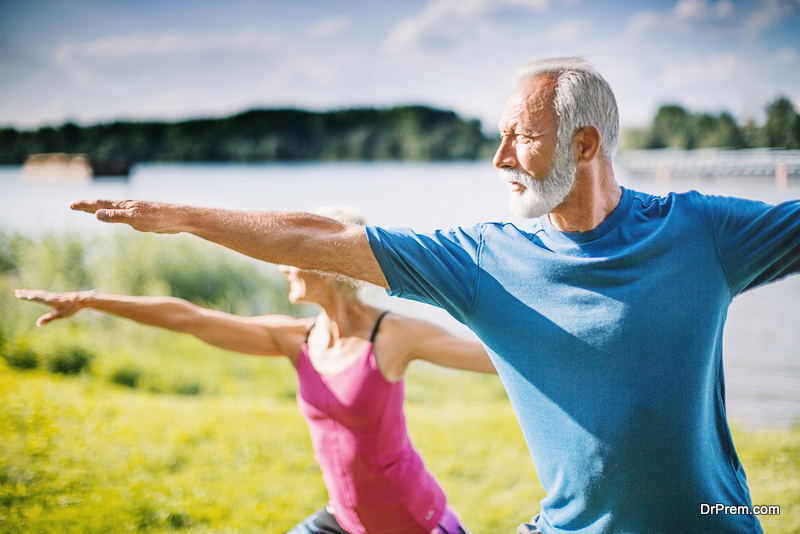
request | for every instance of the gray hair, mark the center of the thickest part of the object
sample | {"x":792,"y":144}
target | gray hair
{"x":583,"y":98}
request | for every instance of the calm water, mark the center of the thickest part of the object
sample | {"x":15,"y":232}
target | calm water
{"x":762,"y":336}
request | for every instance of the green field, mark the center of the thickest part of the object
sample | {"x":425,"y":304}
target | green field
{"x":106,"y":426}
{"x":81,"y":454}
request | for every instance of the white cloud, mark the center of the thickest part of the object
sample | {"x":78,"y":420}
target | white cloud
{"x":715,"y":68}
{"x":690,"y":9}
{"x":685,"y":16}
{"x":569,"y":31}
{"x":329,"y":27}
{"x":138,"y":45}
{"x":700,"y":10}
{"x":786,"y":56}
{"x":769,"y":13}
{"x":639,"y":23}
{"x":449,"y":20}
{"x":76,"y":57}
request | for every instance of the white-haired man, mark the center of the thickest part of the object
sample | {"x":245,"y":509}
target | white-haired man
{"x":603,"y":317}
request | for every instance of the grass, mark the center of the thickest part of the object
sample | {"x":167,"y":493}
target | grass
{"x":79,"y":453}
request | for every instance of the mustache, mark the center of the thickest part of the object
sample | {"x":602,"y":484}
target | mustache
{"x":514,"y":175}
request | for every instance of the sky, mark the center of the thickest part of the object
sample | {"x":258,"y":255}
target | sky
{"x":95,"y":61}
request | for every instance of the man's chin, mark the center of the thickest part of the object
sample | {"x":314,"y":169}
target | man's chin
{"x":526,"y":210}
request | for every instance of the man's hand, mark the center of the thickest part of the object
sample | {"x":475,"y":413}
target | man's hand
{"x":140,"y":215}
{"x":62,"y":304}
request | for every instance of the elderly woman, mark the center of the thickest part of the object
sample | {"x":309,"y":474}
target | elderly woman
{"x":351,"y":361}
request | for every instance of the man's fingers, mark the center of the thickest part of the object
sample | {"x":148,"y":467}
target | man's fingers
{"x":91,"y":206}
{"x":112,"y":216}
{"x":141,"y":215}
{"x":110,"y":211}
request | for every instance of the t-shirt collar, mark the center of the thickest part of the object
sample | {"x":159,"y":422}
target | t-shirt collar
{"x":602,"y":229}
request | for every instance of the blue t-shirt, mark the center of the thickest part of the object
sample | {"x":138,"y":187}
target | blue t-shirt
{"x":609,"y":344}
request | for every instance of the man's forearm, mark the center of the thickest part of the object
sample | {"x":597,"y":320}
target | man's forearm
{"x":302,"y":240}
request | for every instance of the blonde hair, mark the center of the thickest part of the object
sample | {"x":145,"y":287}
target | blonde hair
{"x":343,"y":214}
{"x":346,"y":215}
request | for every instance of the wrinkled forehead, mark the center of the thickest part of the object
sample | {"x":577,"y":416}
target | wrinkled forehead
{"x":531,"y":103}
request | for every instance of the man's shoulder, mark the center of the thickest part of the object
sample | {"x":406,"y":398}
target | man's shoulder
{"x":687,"y":200}
{"x":648,"y":198}
{"x":474,"y":231}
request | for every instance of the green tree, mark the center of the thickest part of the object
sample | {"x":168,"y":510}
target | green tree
{"x":782,"y":128}
{"x":403,"y":133}
{"x":718,"y":132}
{"x":671,"y":128}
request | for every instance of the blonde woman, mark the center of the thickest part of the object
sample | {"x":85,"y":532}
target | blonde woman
{"x":351,"y":361}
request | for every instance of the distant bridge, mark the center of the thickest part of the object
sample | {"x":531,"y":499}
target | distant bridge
{"x":664,"y":164}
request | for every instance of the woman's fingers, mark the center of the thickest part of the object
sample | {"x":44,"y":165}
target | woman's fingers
{"x":39,"y":295}
{"x":46,"y":318}
{"x":62,"y":304}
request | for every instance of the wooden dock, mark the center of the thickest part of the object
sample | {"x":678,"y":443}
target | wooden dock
{"x":664,"y":164}
{"x":71,"y":168}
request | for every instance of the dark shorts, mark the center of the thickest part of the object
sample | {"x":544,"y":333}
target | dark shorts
{"x":529,"y":528}
{"x":320,"y":522}
{"x":323,"y":522}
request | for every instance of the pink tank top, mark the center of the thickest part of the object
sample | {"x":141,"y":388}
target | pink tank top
{"x":376,"y":480}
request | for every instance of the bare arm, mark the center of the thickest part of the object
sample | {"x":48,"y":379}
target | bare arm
{"x":438,"y":346}
{"x":269,"y":335}
{"x":402,"y":339}
{"x":303,"y":240}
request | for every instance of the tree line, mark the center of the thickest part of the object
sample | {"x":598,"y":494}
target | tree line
{"x":675,"y":127}
{"x":415,"y":133}
{"x":411,"y":133}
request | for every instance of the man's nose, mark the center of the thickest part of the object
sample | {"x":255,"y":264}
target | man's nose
{"x":506,"y":156}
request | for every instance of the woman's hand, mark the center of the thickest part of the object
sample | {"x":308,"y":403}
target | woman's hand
{"x":62,"y":304}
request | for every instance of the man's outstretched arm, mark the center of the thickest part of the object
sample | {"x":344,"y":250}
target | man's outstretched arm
{"x":303,"y":240}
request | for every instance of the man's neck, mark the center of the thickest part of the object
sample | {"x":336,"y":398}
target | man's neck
{"x":593,"y":198}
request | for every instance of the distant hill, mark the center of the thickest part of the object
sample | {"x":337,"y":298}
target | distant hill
{"x":409,"y":133}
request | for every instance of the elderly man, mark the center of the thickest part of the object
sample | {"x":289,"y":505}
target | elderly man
{"x":603,"y":317}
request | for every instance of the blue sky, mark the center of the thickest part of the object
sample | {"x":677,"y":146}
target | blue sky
{"x":89,"y":61}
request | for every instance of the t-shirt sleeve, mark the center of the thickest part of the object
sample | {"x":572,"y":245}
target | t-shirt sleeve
{"x":758,"y":242}
{"x":440,"y":268}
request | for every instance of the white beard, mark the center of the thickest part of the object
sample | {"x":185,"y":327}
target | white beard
{"x":541,"y":196}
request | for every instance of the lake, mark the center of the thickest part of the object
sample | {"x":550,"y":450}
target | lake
{"x":762,"y":336}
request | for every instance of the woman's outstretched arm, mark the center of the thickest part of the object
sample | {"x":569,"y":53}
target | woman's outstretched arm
{"x":267,"y":335}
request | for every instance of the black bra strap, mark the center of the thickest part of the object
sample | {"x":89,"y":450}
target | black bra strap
{"x":375,"y":330}
{"x":310,"y":329}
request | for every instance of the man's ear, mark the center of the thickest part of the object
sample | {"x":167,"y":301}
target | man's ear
{"x":587,"y":144}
